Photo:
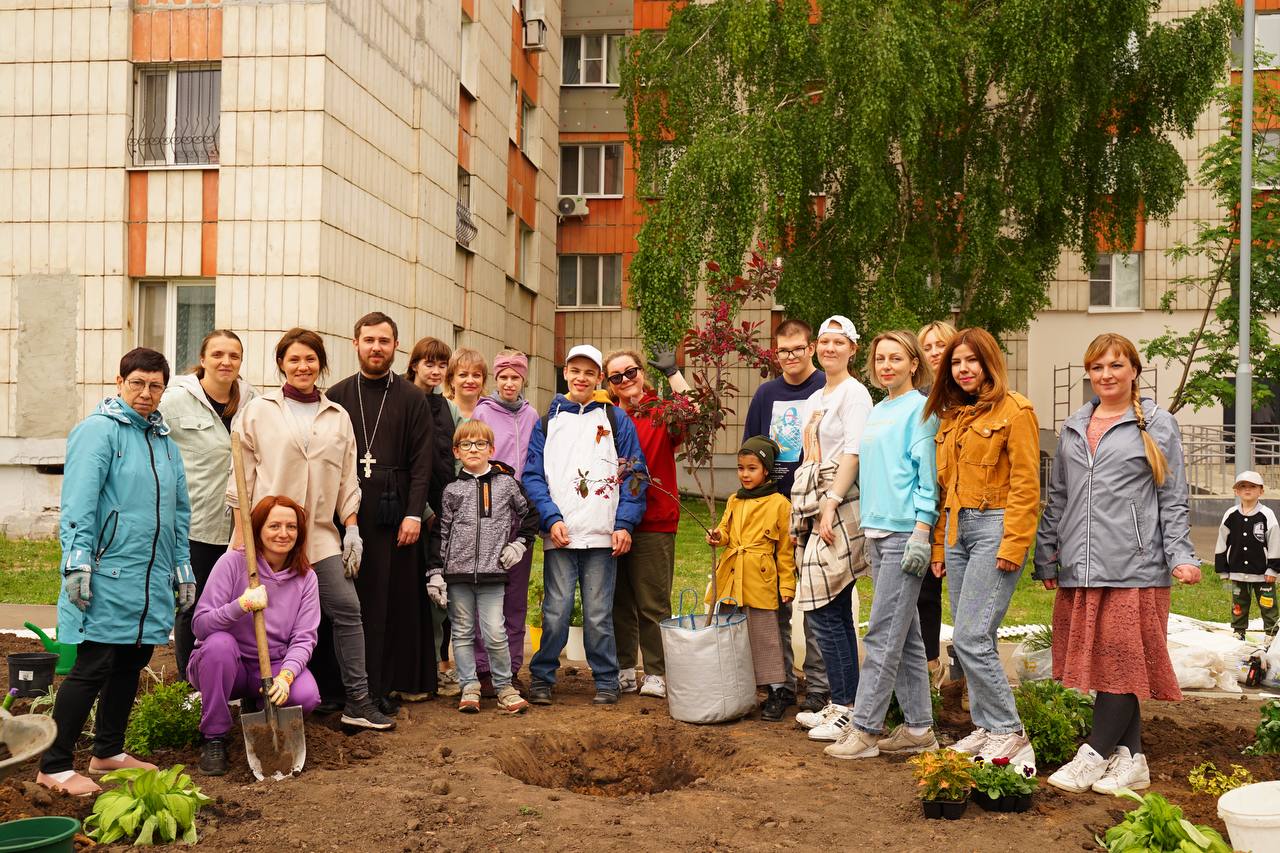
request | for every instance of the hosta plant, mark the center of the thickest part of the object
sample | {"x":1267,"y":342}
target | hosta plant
{"x":148,"y":806}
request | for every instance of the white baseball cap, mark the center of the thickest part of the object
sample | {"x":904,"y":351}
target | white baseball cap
{"x":1250,"y":477}
{"x":839,"y":324}
{"x":586,"y":351}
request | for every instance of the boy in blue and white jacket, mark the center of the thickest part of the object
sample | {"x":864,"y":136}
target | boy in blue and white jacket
{"x":587,"y":517}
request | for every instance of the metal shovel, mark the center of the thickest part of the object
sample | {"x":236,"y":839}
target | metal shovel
{"x":274,"y":740}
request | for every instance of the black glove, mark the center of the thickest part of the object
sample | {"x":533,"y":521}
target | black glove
{"x":664,"y":360}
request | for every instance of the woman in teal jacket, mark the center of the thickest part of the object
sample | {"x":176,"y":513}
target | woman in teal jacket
{"x":124,"y":526}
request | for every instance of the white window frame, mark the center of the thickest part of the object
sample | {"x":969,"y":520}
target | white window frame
{"x":1111,"y":305}
{"x":468,"y":58}
{"x":142,"y":70}
{"x":1266,"y":39}
{"x":171,"y":287}
{"x":528,"y":126}
{"x":598,"y":147}
{"x":513,"y":117}
{"x":578,"y":261}
{"x":606,"y":40}
{"x":526,"y":261}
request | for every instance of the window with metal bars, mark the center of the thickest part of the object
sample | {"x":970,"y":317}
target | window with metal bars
{"x":176,"y":115}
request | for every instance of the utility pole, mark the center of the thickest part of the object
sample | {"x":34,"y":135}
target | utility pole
{"x":1244,"y":370}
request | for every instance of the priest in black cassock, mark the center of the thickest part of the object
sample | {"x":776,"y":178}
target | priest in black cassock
{"x":394,"y":444}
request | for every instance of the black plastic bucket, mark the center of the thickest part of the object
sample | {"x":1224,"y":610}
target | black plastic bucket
{"x":31,"y":672}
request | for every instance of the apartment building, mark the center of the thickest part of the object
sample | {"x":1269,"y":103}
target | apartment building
{"x":170,"y":167}
{"x":601,"y":215}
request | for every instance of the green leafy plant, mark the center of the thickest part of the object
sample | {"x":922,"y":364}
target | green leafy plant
{"x":1266,"y":738}
{"x":1208,"y":779}
{"x":1038,"y":639}
{"x":1157,"y":826}
{"x":147,"y":806}
{"x":942,"y":774}
{"x":43,"y":704}
{"x":1055,"y":718}
{"x":166,"y":717}
{"x":999,"y":779}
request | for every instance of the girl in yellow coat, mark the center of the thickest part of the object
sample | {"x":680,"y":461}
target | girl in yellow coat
{"x":757,"y":569}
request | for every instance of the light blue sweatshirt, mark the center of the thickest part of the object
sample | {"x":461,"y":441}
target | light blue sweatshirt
{"x":897,"y":466}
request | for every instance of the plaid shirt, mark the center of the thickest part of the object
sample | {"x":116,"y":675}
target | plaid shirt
{"x":823,"y":570}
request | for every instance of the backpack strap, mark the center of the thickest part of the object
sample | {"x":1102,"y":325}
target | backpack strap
{"x":611,"y":412}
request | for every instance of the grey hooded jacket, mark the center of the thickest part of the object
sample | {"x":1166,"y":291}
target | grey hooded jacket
{"x":1106,"y":523}
{"x":479,"y":516}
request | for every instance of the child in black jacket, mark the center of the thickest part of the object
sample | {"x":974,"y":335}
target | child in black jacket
{"x":1248,"y":555}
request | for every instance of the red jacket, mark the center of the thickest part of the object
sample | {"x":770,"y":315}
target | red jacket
{"x":662,"y":512}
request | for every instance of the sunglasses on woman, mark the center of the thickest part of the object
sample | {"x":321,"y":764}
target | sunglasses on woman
{"x":626,"y":375}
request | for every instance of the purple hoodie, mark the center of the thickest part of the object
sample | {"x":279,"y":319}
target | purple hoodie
{"x":511,"y":430}
{"x":292,"y":614}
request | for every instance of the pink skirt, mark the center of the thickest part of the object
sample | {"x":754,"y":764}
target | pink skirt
{"x":1113,"y":639}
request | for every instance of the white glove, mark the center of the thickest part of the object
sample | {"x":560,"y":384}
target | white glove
{"x":76,"y":585}
{"x":437,"y":591}
{"x":511,"y":554}
{"x":352,"y":551}
{"x":254,"y":598}
{"x":278,"y":693}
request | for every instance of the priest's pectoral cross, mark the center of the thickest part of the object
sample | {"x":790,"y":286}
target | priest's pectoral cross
{"x":368,"y":462}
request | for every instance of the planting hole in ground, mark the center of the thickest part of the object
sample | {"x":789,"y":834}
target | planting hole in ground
{"x":618,"y":762}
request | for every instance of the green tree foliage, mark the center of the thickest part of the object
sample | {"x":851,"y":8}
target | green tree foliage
{"x":960,"y":147}
{"x":1205,"y":358}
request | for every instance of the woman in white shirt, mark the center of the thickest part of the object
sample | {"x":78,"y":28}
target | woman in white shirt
{"x":834,"y":418}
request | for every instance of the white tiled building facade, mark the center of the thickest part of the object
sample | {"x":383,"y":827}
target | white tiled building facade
{"x":168,"y":167}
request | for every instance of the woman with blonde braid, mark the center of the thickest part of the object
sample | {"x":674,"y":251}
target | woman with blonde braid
{"x":1113,"y":536}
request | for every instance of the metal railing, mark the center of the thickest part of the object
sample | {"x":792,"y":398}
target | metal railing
{"x":1210,"y":452}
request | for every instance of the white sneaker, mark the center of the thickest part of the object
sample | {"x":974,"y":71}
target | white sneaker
{"x":1124,"y":771}
{"x":972,"y":743}
{"x":627,"y":680}
{"x":810,"y":719}
{"x":447,"y":683}
{"x":654,"y":685}
{"x":834,"y":727}
{"x":1080,"y":773}
{"x":1013,"y":746}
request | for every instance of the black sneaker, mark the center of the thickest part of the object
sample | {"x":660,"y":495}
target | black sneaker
{"x":787,"y":696}
{"x":539,"y":694}
{"x":329,"y":706}
{"x":387,"y":705}
{"x":362,"y":713}
{"x":605,"y":697}
{"x":773,"y":706}
{"x":213,"y":757}
{"x":815,"y":701}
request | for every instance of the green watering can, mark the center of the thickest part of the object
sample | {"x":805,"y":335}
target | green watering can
{"x":66,"y":652}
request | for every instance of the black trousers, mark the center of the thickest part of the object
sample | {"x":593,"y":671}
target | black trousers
{"x":203,"y":556}
{"x":929,"y":605}
{"x":107,"y":672}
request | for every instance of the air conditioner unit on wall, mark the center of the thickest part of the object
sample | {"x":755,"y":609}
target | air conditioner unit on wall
{"x":572,"y":205}
{"x":535,"y":34}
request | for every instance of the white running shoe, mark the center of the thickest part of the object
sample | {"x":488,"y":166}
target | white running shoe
{"x":1013,"y":746}
{"x":1080,"y":773}
{"x":627,"y":680}
{"x":1124,"y":771}
{"x":972,"y":743}
{"x":654,"y":685}
{"x":809,"y":719}
{"x":834,"y":727}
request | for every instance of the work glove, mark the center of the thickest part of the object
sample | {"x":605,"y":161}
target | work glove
{"x":511,"y":554}
{"x":664,"y":360}
{"x":278,"y":692}
{"x":437,"y":591}
{"x":253,"y":598}
{"x":915,"y":557}
{"x":186,"y":596}
{"x":76,"y":584}
{"x":352,"y":551}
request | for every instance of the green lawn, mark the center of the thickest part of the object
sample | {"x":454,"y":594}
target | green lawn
{"x":28,"y":575}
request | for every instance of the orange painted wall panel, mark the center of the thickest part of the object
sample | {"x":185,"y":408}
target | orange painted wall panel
{"x":177,"y":35}
{"x":141,"y":37}
{"x":137,"y":224}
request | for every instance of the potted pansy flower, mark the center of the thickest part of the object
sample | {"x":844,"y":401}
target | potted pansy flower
{"x":999,"y":786}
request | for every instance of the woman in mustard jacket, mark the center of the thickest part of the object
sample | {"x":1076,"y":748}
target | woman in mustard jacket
{"x":757,"y":569}
{"x":988,"y":455}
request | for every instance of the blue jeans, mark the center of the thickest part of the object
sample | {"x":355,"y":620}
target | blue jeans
{"x":980,"y":595}
{"x":595,"y":569}
{"x":894,"y":661}
{"x":832,"y":624}
{"x":480,"y":602}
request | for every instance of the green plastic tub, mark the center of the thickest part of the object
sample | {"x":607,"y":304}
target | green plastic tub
{"x":39,"y":835}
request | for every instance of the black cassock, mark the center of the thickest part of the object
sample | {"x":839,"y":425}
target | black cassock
{"x":392,"y":579}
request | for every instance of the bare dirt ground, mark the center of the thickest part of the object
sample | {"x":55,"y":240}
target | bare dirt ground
{"x":578,"y":777}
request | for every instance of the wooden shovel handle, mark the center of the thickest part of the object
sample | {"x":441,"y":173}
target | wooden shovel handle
{"x":251,"y":559}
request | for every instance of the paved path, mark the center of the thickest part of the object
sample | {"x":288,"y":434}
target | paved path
{"x":13,"y":615}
